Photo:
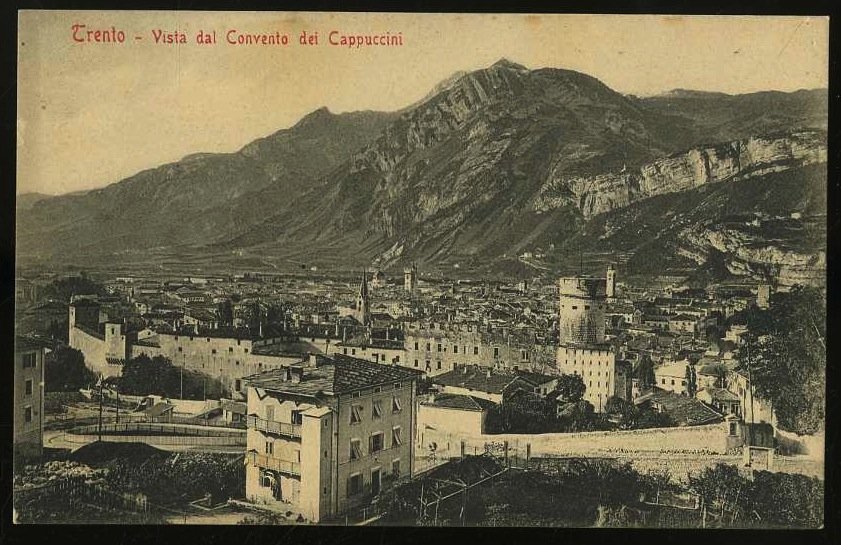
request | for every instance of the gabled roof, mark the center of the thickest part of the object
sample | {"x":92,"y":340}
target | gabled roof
{"x":334,"y":375}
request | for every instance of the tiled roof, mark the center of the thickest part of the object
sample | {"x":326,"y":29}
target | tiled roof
{"x":721,"y":394}
{"x":684,"y":409}
{"x":24,"y":344}
{"x":336,"y":374}
{"x":461,"y":402}
{"x":535,"y":378}
{"x":474,"y":379}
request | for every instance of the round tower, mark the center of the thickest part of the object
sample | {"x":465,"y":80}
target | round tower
{"x":610,"y":289}
{"x":581,"y":311}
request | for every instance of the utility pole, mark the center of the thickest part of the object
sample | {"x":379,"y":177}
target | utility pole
{"x":99,"y":427}
{"x":750,"y":379}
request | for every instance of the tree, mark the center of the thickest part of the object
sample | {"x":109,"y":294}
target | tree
{"x":225,"y":311}
{"x":644,"y":371}
{"x":620,"y":407}
{"x":253,"y":314}
{"x":146,"y":376}
{"x":578,"y":416}
{"x":571,"y":387}
{"x":784,"y":354}
{"x":718,"y":486}
{"x":633,"y":417}
{"x":63,"y":289}
{"x":691,"y":381}
{"x":58,"y":330}
{"x":65,"y":371}
{"x":275,"y":314}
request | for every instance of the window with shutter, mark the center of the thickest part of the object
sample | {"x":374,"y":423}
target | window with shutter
{"x":395,"y":405}
{"x":355,"y":449}
{"x":396,"y":439}
{"x":355,"y":414}
{"x":377,"y":409}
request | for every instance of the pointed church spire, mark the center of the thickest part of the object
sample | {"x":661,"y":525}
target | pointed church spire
{"x":362,"y":306}
{"x":363,"y":288}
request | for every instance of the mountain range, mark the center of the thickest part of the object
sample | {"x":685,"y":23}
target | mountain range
{"x":503,"y":170}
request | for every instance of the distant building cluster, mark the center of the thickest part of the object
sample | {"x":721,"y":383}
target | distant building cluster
{"x":324,"y":373}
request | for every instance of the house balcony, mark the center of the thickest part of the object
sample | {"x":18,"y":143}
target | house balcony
{"x":265,"y":461}
{"x":284,"y":429}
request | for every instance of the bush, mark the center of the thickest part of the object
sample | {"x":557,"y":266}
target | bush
{"x":168,"y":478}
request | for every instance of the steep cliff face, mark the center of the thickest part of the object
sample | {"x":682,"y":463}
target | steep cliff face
{"x":744,"y":253}
{"x":732,"y":161}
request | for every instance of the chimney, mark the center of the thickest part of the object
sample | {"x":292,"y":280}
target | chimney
{"x":296,"y":374}
{"x":313,"y":360}
{"x":488,"y":374}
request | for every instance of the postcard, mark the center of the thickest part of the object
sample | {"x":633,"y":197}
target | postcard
{"x":420,"y":269}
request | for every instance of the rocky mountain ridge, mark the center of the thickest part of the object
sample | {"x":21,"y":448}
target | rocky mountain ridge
{"x":491,"y":164}
{"x":727,"y":162}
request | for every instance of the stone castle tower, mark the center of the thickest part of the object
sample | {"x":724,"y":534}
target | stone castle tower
{"x":581,"y":311}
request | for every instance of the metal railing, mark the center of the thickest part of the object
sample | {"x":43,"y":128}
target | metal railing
{"x":276,"y":464}
{"x":278,"y":428}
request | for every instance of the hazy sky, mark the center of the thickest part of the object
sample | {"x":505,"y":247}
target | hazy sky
{"x":90,"y":114}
